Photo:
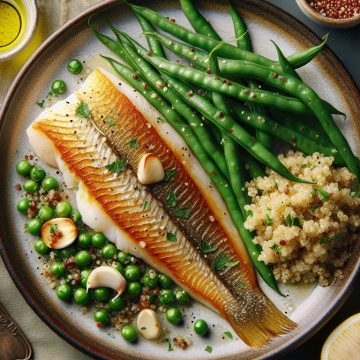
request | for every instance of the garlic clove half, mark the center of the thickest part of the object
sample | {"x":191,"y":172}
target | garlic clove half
{"x":59,"y":233}
{"x":106,"y":276}
{"x":148,"y":324}
{"x":150,"y":170}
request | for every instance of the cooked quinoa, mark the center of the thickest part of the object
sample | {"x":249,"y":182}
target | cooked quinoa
{"x":305,"y":231}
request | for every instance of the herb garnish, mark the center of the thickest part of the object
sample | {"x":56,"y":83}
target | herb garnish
{"x":170,"y":347}
{"x":325,"y":240}
{"x":111,"y":122}
{"x":289,"y":221}
{"x":54,"y":228}
{"x":209,"y":349}
{"x":171,"y":199}
{"x":171,"y":237}
{"x":240,"y":284}
{"x":206,"y":247}
{"x":324,"y":195}
{"x":183,"y":213}
{"x":221,"y":262}
{"x":169,"y":174}
{"x":83,"y":110}
{"x":268,"y":220}
{"x":228,"y":334}
{"x":133,"y":143}
{"x":277,"y":248}
{"x":40,"y":104}
{"x":146,"y":204}
{"x":116,"y":167}
{"x":249,"y":213}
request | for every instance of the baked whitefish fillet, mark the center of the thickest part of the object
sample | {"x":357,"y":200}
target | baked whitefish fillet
{"x":206,"y":256}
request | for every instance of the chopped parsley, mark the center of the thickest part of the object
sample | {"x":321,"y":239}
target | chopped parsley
{"x":209,"y":349}
{"x":171,"y":199}
{"x":268,"y":220}
{"x":170,"y":346}
{"x":171,"y":237}
{"x":83,"y":110}
{"x":221,"y":262}
{"x":277,"y":248}
{"x":133,"y":143}
{"x":289,"y":221}
{"x":323,"y":194}
{"x":54,"y":228}
{"x":111,"y":122}
{"x":117,"y":166}
{"x":249,"y":213}
{"x":325,"y":240}
{"x":40,"y":104}
{"x":206,"y":248}
{"x":240,"y":284}
{"x":303,"y":166}
{"x":183,"y":213}
{"x":146,"y":204}
{"x":228,"y":334}
{"x":169,"y":174}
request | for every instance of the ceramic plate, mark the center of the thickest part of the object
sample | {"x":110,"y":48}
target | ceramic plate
{"x":309,"y":307}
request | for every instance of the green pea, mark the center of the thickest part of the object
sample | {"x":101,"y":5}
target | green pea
{"x":23,"y":168}
{"x":84,"y":277}
{"x":40,"y":247}
{"x":132,"y":273}
{"x":63,"y":209}
{"x":81,"y":297}
{"x":182,"y":297}
{"x":116,"y":304}
{"x":129,"y":333}
{"x":66,"y":252}
{"x":150,"y":279}
{"x":165,"y":282}
{"x":63,"y":292}
{"x":173,"y":315}
{"x":74,"y":66}
{"x":83,"y":258}
{"x":98,"y":240}
{"x":109,"y":251}
{"x":119,"y":267}
{"x":102,"y":316}
{"x":58,"y":269}
{"x":75,"y":216}
{"x":50,"y":183}
{"x":23,"y":206}
{"x":45,"y":213}
{"x":34,"y":226}
{"x":58,"y":87}
{"x":134,"y":289}
{"x":84,"y":240}
{"x":31,"y":187}
{"x":201,"y":327}
{"x":37,"y":173}
{"x":166,"y":297}
{"x":123,"y":257}
{"x":102,"y":294}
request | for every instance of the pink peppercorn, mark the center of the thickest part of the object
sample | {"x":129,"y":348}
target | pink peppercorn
{"x":336,"y":9}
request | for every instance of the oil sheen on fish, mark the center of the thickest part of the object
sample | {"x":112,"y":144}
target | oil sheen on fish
{"x":207,"y":258}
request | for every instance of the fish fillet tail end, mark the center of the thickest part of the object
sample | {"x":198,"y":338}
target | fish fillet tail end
{"x":260,"y":326}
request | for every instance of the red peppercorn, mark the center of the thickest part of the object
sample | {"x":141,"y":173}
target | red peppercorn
{"x":282,"y":242}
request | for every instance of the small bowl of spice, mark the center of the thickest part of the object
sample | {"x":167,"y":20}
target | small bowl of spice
{"x":332,"y":13}
{"x":18,"y":20}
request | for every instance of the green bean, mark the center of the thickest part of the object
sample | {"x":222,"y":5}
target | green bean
{"x":252,"y":166}
{"x":225,"y":86}
{"x":180,"y":106}
{"x":220,"y":182}
{"x":197,"y":21}
{"x":243,"y":41}
{"x":301,"y":127}
{"x":300,"y":142}
{"x":283,"y":82}
{"x":225,"y":50}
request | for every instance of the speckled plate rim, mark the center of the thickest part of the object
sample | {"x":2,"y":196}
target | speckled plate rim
{"x":31,"y":297}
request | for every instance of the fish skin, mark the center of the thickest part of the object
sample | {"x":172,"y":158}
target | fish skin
{"x":255,"y":319}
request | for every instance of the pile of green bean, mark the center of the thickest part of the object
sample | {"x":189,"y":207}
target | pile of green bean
{"x":220,"y":107}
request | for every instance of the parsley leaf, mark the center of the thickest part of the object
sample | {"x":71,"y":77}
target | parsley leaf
{"x":116,"y":167}
{"x":324,"y":195}
{"x":133,"y":143}
{"x":206,"y":247}
{"x":183,"y":213}
{"x":228,"y":334}
{"x":54,"y":228}
{"x":249,"y":213}
{"x":40,"y":104}
{"x":169,"y":174}
{"x":219,"y":262}
{"x":146,"y":204}
{"x":111,"y":122}
{"x":83,"y":110}
{"x":277,"y":248}
{"x":268,"y":220}
{"x":171,"y":237}
{"x":209,"y":349}
{"x":171,"y":199}
{"x":170,"y":347}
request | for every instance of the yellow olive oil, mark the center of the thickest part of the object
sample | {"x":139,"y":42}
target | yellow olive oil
{"x":12,"y":23}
